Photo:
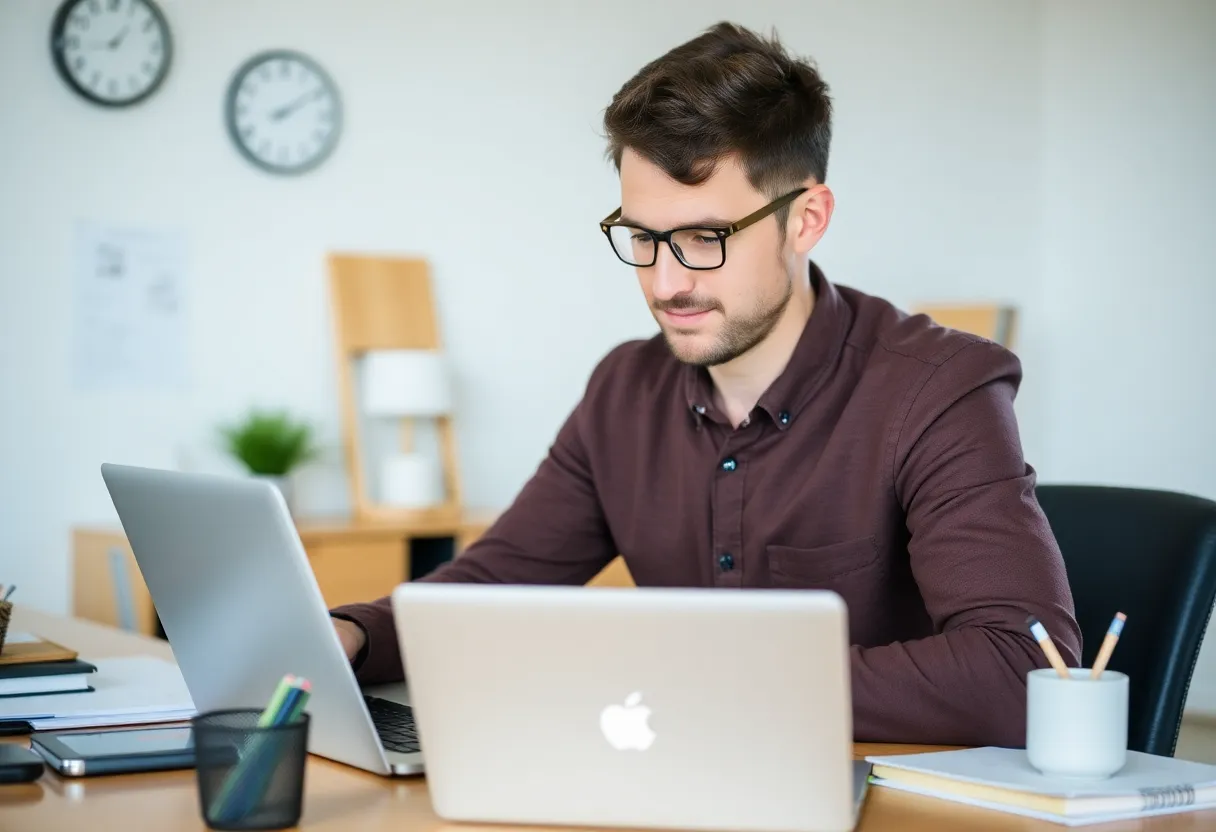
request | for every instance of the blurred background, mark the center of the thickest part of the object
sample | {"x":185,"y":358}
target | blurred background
{"x":1052,"y":158}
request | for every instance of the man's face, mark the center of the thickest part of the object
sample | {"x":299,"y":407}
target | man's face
{"x":711,"y":316}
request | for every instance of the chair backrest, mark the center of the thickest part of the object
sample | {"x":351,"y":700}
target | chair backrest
{"x":993,"y":321}
{"x":1152,"y":555}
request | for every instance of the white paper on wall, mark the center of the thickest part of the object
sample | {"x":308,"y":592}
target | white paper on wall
{"x":130,"y":309}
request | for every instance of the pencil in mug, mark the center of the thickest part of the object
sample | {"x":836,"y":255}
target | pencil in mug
{"x":1049,"y":647}
{"x":1108,"y":645}
{"x":273,"y":712}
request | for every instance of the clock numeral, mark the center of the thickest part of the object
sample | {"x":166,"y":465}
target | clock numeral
{"x":94,"y":7}
{"x":247,"y":133}
{"x":319,"y":135}
{"x":264,"y":148}
{"x":249,"y":89}
{"x":147,"y":67}
{"x":113,"y":87}
{"x":72,"y":42}
{"x":131,"y":8}
{"x":149,"y":24}
{"x":79,"y":64}
{"x":114,"y":4}
{"x":264,"y":71}
{"x":326,"y":115}
{"x":241,"y":110}
{"x":133,"y":82}
{"x":96,"y":79}
{"x":155,"y":47}
{"x":284,"y":155}
{"x":81,"y":21}
{"x":285,"y":69}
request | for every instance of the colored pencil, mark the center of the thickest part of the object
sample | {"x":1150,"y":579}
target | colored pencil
{"x":1049,"y":648}
{"x":1108,"y":645}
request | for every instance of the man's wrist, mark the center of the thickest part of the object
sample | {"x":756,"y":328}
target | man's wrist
{"x":357,"y":629}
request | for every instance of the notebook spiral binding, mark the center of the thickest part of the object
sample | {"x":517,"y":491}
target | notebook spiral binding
{"x":1168,"y":797}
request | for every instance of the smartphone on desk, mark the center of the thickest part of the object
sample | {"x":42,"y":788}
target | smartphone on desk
{"x":122,"y":751}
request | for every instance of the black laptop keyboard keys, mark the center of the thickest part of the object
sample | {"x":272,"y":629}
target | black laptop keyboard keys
{"x":394,"y":723}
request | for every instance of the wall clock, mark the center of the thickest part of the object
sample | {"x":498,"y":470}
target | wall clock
{"x":111,"y":52}
{"x":283,"y":112}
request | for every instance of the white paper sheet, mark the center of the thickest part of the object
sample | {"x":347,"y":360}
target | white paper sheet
{"x":130,"y":308}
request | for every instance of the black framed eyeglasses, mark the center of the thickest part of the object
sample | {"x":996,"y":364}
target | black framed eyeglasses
{"x":696,"y":246}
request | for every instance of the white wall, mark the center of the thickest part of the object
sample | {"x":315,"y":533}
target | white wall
{"x":1129,"y":280}
{"x":473,"y":139}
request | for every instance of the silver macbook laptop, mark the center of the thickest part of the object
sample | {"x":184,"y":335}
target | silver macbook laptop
{"x":679,"y":708}
{"x":231,"y":583}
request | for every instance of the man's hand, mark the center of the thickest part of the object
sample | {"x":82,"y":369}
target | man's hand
{"x":351,"y":635}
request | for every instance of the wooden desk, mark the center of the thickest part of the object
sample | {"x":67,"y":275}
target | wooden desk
{"x":338,"y":797}
{"x":353,"y":560}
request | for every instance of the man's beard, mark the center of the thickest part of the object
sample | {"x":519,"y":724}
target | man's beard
{"x":739,"y":334}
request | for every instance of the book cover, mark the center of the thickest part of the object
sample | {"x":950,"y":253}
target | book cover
{"x":25,"y":648}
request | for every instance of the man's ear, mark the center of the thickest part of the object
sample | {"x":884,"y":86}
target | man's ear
{"x":809,"y":217}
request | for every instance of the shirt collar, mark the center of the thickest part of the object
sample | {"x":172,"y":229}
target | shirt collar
{"x":814,"y":355}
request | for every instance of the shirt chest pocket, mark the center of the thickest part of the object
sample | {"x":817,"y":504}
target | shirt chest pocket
{"x":791,"y":566}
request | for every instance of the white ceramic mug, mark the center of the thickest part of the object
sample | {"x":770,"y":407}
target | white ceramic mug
{"x":1076,"y":727}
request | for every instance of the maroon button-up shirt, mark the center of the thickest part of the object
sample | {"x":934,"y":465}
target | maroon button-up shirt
{"x":884,"y":463}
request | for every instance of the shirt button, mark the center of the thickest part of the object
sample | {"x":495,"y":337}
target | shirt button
{"x":729,"y":464}
{"x":784,"y":417}
{"x":700,"y":409}
{"x":726,"y":562}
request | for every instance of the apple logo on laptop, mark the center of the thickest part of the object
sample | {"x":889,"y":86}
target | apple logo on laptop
{"x":627,"y":727}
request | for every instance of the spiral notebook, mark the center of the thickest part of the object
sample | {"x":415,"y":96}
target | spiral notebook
{"x":1003,"y":779}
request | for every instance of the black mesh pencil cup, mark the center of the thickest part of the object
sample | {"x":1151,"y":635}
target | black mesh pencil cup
{"x":249,"y":777}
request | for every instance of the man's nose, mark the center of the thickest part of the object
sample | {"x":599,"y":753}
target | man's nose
{"x":671,"y":277}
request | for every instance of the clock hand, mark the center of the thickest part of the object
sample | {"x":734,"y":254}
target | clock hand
{"x":286,"y":110}
{"x":117,"y":40}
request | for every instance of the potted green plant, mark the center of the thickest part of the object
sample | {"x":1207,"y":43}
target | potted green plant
{"x":271,"y":444}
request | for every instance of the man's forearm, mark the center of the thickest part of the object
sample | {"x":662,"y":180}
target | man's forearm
{"x":963,"y":687}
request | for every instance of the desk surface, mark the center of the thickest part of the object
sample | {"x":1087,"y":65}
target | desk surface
{"x":338,"y":797}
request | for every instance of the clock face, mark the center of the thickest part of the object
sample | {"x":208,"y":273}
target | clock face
{"x":283,"y":112}
{"x":112,"y":52}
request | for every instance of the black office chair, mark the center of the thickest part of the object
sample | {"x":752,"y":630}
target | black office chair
{"x":1151,"y":554}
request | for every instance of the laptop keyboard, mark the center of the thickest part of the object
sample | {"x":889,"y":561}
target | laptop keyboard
{"x":394,"y":723}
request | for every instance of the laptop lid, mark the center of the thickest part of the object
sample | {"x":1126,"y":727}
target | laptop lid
{"x":686,"y":708}
{"x":239,"y":603}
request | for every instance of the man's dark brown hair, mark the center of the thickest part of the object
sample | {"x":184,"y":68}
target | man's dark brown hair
{"x":727,"y":91}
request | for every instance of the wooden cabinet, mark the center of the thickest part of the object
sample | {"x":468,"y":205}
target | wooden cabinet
{"x":348,"y":572}
{"x":352,"y":560}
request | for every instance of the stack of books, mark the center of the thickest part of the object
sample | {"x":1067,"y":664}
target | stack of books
{"x":30,"y":666}
{"x":1003,"y":779}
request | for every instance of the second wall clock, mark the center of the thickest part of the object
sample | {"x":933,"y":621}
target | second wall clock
{"x":283,"y":112}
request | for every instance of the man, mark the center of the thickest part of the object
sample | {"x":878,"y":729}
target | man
{"x":783,"y":431}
